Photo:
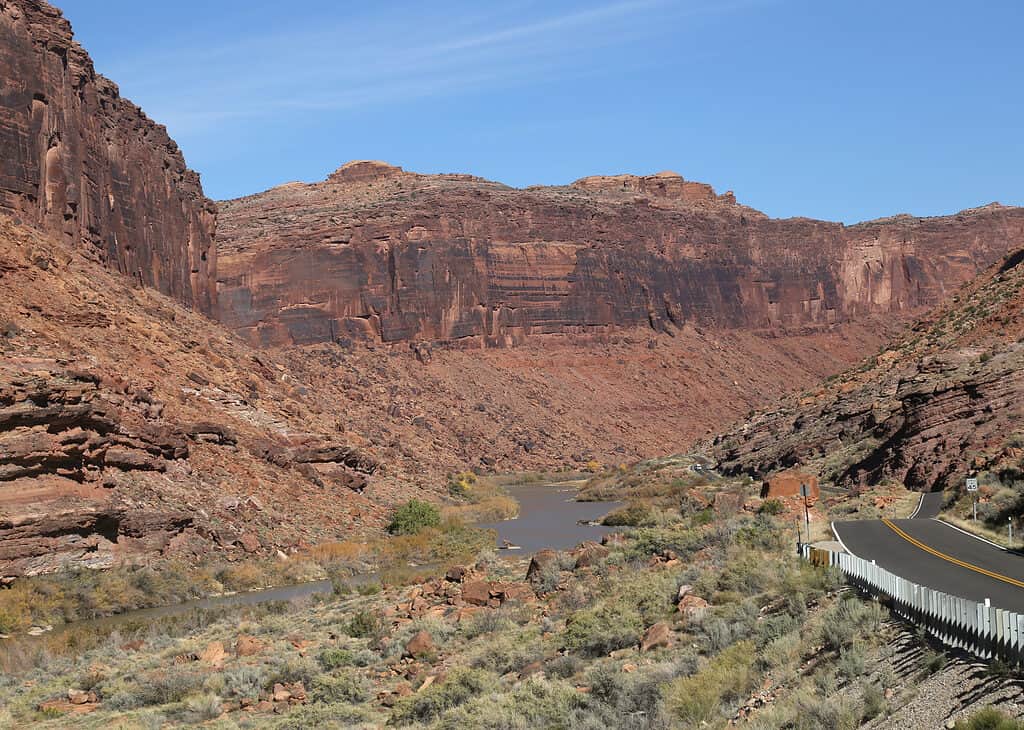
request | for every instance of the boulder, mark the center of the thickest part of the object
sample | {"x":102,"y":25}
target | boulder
{"x":787,"y":484}
{"x":420,"y":644}
{"x":80,"y":697}
{"x":455,"y":574}
{"x":517,"y":592}
{"x":589,"y":554}
{"x":692,"y":607}
{"x":213,"y":654}
{"x":250,"y":543}
{"x":657,"y":636}
{"x":541,"y":563}
{"x":280,"y":694}
{"x":248,"y":646}
{"x":476,"y":593}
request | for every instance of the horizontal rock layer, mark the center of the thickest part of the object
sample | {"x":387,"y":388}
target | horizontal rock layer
{"x":82,"y":163}
{"x":379,"y":254}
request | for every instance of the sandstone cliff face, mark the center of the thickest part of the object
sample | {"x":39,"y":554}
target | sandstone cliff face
{"x":382,"y":255}
{"x":944,"y":401}
{"x":82,"y":163}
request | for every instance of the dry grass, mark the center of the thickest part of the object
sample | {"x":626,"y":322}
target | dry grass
{"x":489,"y":509}
{"x":979,"y":528}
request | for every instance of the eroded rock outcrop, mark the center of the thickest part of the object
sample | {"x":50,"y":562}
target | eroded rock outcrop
{"x":67,"y":441}
{"x":128,"y":427}
{"x":86,"y":165}
{"x":940,"y":403}
{"x":382,"y":255}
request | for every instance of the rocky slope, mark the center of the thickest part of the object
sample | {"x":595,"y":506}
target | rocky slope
{"x":131,"y":427}
{"x":378,"y":254}
{"x":941,"y":402}
{"x":84,"y":164}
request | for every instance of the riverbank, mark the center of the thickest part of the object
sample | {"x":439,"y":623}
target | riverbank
{"x":540,"y":516}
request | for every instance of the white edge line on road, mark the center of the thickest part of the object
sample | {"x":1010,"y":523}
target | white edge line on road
{"x":920,"y":503}
{"x":839,"y":539}
{"x":970,"y":534}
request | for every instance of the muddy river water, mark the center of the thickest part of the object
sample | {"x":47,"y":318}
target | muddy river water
{"x":550,"y":518}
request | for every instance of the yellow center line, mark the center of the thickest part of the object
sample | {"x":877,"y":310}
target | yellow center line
{"x":948,"y":558}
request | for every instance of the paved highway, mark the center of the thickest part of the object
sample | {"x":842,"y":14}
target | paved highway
{"x":933,"y":554}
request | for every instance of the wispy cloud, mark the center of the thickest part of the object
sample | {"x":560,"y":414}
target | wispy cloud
{"x":388,"y":57}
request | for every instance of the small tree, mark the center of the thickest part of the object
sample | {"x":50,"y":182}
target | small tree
{"x":414,"y":516}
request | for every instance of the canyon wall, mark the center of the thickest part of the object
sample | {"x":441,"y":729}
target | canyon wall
{"x":80,"y":162}
{"x":940,"y":403}
{"x":380,"y":254}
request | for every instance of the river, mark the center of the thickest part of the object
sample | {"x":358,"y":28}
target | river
{"x":549,"y":517}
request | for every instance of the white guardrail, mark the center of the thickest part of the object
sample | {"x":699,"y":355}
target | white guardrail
{"x":978,"y":628}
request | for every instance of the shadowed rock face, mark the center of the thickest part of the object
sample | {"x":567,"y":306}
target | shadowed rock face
{"x":941,"y":402}
{"x":380,"y":254}
{"x":84,"y":164}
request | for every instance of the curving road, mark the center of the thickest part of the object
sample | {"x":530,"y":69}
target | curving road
{"x":934,"y":554}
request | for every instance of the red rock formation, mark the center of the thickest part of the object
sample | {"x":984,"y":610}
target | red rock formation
{"x":379,"y":254}
{"x":123,"y":436}
{"x":80,"y":162}
{"x":941,"y":402}
{"x":788,"y":484}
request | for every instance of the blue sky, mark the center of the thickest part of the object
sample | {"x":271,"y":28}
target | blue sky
{"x":840,"y":110}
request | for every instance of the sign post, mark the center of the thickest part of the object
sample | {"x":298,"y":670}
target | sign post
{"x":805,"y":492}
{"x":972,"y":486}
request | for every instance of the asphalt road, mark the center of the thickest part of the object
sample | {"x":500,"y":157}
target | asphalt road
{"x":876,"y":540}
{"x":929,"y":506}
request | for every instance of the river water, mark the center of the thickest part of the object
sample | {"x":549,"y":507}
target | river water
{"x":549,"y":518}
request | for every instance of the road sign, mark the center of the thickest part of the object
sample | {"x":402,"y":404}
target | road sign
{"x":972,"y":485}
{"x":805,"y":491}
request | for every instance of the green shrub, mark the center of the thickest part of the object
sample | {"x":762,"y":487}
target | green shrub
{"x":334,"y":658}
{"x":331,"y":689}
{"x":772,"y":507}
{"x":848,"y":619}
{"x":503,"y":653}
{"x":598,"y":631}
{"x":932,"y":661}
{"x":989,"y":718}
{"x":535,"y":703}
{"x":725,"y":679}
{"x":852,"y":663}
{"x":461,"y":686}
{"x":292,"y":669}
{"x":204,"y":707}
{"x":156,"y":688}
{"x":632,"y":515}
{"x":364,"y":625}
{"x":874,"y":702}
{"x":831,"y":713}
{"x":245,"y":682}
{"x":322,"y":716}
{"x":564,"y":666}
{"x":413,"y":517}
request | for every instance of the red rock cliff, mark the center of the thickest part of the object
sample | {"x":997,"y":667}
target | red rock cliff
{"x":376,"y":252}
{"x":80,"y":162}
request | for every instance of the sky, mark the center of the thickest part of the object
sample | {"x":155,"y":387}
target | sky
{"x":833,"y":109}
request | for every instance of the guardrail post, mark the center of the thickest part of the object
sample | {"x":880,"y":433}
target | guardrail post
{"x":959,"y":622}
